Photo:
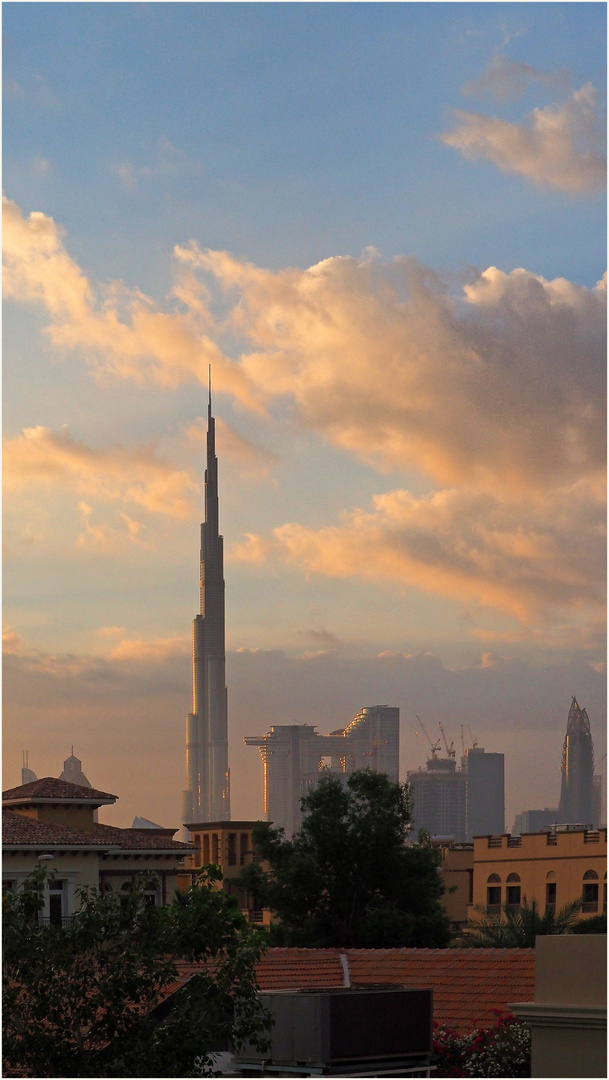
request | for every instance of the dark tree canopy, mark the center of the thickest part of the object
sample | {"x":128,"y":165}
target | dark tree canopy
{"x":81,"y":1001}
{"x":347,"y":878}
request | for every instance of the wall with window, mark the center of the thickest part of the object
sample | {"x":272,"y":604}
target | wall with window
{"x":68,"y":872}
{"x":552,"y":868}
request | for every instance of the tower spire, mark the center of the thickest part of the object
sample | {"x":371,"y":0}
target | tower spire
{"x":207,"y":795}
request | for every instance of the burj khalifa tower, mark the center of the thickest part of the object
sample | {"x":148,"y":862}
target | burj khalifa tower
{"x":207,"y":797}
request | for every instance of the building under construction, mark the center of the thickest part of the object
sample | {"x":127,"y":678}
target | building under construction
{"x":577,"y":783}
{"x":293,"y":755}
{"x":458,"y":803}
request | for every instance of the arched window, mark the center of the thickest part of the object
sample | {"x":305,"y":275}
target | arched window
{"x":512,"y":891}
{"x":550,"y":891}
{"x":493,"y":894}
{"x":590,"y":892}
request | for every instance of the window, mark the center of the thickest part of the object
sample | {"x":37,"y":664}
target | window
{"x":590,"y":892}
{"x":605,"y":895}
{"x":57,"y":903}
{"x":512,"y":891}
{"x":244,"y":847}
{"x":550,"y":895}
{"x":493,"y":895}
{"x":232,"y":849}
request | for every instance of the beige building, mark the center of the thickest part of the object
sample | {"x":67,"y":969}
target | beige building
{"x":51,"y":823}
{"x":458,"y":878}
{"x":568,"y":1017}
{"x":229,"y":845}
{"x":553,"y":868}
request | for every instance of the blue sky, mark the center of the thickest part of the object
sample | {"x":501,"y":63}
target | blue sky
{"x":406,"y":435}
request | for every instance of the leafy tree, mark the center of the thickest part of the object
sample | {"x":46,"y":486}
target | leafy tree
{"x":517,"y":928}
{"x":88,"y":1000}
{"x":347,"y":878}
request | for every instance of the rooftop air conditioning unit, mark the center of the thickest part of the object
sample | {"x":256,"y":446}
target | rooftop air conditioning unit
{"x":330,"y":1031}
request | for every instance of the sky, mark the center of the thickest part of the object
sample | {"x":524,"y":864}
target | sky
{"x":383,"y":225}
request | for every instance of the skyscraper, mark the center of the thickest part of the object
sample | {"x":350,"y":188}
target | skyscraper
{"x":576,"y":789}
{"x":485,"y":808}
{"x":439,"y":797}
{"x":293,"y":755}
{"x":207,"y":795}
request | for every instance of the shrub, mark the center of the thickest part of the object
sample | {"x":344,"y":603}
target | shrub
{"x":502,"y":1050}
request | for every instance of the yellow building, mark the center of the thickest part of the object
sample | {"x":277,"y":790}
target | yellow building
{"x":229,"y":845}
{"x":458,"y":878}
{"x":52,"y":823}
{"x":553,"y":868}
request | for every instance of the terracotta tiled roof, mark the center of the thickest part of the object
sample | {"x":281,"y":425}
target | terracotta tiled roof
{"x":300,"y":969}
{"x":51,"y":788}
{"x":19,"y":829}
{"x":469,"y":985}
{"x":140,"y":839}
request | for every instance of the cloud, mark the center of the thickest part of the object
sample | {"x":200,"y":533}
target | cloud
{"x":494,"y":395}
{"x":527,"y":558}
{"x":558,"y":146}
{"x":506,"y":79}
{"x":479,"y":390}
{"x":151,"y":651}
{"x":11,"y":641}
{"x":120,"y":332}
{"x":138,"y":477}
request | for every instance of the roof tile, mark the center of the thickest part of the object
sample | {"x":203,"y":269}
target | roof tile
{"x":52,"y":788}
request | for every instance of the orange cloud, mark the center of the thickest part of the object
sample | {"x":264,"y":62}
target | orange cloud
{"x":146,"y":652}
{"x":530,"y":559}
{"x":119,"y":331}
{"x":558,"y":146}
{"x":141,"y":477}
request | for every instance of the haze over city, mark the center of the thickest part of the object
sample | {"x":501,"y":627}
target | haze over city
{"x":383,"y":225}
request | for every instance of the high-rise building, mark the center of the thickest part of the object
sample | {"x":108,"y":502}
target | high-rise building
{"x":207,"y":795}
{"x":577,"y":788}
{"x":533,"y":821}
{"x":439,"y":798}
{"x":485,"y":805}
{"x":293,"y":755}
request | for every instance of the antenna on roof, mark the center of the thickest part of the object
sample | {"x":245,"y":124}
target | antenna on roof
{"x":209,"y":382}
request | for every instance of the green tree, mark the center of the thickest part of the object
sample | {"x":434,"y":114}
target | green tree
{"x":89,"y":1000}
{"x":517,"y":928}
{"x":347,"y":878}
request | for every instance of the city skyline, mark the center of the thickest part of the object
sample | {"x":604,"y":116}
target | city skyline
{"x":392,"y":254}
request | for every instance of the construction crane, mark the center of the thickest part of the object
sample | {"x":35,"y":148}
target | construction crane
{"x":434,"y":746}
{"x":462,"y":742}
{"x":474,"y":741}
{"x":450,"y":750}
